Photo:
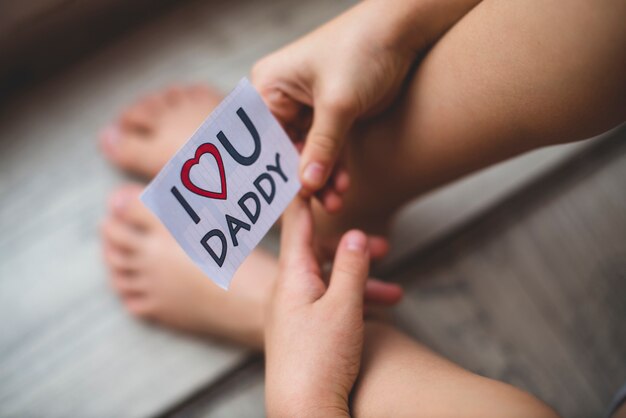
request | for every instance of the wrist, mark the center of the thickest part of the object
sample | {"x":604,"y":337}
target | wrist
{"x":309,"y":406}
{"x":313,"y":411}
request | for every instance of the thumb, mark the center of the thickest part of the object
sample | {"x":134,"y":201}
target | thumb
{"x":323,"y":144}
{"x":297,"y":234}
{"x":350,"y":270}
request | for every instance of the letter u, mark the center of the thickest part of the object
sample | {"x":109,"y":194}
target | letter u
{"x":255,"y":137}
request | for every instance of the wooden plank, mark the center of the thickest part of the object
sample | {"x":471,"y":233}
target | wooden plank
{"x":247,"y":399}
{"x":241,"y":394}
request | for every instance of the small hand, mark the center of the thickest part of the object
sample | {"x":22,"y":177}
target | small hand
{"x":319,"y":85}
{"x":314,"y":334}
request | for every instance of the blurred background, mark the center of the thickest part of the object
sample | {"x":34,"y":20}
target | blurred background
{"x":517,"y":272}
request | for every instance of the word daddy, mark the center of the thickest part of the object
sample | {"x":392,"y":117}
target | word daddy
{"x":225,"y":188}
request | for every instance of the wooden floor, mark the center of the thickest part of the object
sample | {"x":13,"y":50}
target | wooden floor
{"x":517,"y":273}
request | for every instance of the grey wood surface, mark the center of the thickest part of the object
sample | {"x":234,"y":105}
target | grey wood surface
{"x":66,"y":346}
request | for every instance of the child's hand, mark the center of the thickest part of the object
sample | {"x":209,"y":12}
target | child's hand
{"x":319,"y":85}
{"x":314,"y":334}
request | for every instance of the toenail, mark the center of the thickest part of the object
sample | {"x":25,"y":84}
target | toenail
{"x":120,"y":201}
{"x":111,"y":135}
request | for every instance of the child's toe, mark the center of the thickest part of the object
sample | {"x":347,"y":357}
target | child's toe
{"x":173,"y":95}
{"x":141,"y":306}
{"x":119,"y":260}
{"x":126,"y":284}
{"x":138,"y":118}
{"x":121,"y":235}
{"x":124,"y":203}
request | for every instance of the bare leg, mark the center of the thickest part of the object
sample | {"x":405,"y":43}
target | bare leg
{"x":507,"y":78}
{"x":401,"y":378}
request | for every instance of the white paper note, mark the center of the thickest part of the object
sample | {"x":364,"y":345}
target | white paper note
{"x":225,"y":188}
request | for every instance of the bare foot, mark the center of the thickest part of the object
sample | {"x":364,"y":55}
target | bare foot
{"x":156,"y":280}
{"x":149,"y":132}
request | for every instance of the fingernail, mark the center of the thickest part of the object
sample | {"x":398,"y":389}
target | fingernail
{"x":356,"y":241}
{"x":274,"y":95}
{"x":314,"y":174}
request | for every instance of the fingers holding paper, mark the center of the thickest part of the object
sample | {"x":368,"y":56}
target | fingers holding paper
{"x":301,"y":265}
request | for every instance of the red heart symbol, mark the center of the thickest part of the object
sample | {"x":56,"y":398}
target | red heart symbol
{"x":184,"y":174}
